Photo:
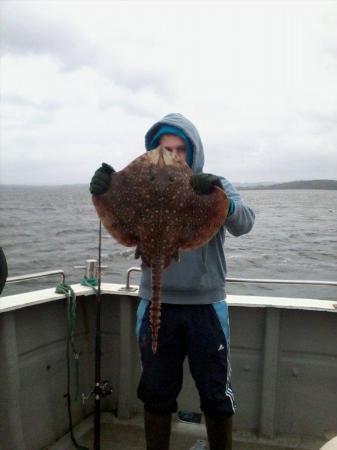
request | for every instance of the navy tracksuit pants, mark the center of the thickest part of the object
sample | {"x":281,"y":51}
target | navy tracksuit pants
{"x":200,"y":332}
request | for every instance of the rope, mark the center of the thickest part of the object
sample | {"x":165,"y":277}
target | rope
{"x":66,"y":289}
{"x":90,"y":282}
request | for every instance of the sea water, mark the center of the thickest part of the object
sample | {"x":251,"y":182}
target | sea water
{"x":294,"y":237}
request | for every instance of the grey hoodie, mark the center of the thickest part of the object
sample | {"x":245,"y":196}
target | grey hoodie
{"x":199,"y":276}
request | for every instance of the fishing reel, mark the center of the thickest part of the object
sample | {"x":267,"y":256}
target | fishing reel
{"x":101,"y":390}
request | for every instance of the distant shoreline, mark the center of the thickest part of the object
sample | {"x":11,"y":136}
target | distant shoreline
{"x":330,"y":185}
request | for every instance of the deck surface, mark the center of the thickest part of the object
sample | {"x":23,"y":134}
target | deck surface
{"x":129,"y":435}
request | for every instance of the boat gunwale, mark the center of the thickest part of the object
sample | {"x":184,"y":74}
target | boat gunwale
{"x":37,"y":297}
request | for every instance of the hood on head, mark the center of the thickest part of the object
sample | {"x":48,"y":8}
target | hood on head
{"x":169,"y":129}
{"x":179,"y":121}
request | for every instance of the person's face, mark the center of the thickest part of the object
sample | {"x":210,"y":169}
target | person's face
{"x":175,"y":145}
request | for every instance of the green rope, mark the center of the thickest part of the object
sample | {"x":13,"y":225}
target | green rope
{"x":90,"y":282}
{"x":67,"y":290}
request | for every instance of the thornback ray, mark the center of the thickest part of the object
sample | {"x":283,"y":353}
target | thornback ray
{"x":151,"y":205}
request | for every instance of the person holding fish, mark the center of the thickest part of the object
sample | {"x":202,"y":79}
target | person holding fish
{"x":193,"y":316}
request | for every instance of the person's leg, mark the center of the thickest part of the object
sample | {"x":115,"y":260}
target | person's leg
{"x":157,"y":430}
{"x":208,"y":354}
{"x":219,"y":432}
{"x":162,"y":374}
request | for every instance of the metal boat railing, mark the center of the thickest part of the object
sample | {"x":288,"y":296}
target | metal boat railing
{"x":32,"y":276}
{"x":90,"y":263}
{"x":273,"y":281}
{"x":248,"y":280}
{"x":91,"y":267}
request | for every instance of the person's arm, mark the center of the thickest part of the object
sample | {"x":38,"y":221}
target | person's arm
{"x":241,"y":219}
{"x":203,"y":183}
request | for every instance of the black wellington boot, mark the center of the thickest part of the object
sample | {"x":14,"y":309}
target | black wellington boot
{"x":219,"y":432}
{"x":157,"y":430}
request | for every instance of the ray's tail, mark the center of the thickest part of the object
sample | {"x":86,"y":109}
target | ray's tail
{"x":156,"y":276}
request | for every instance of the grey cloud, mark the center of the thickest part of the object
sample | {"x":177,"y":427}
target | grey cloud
{"x":321,"y":121}
{"x":26,"y":31}
{"x":280,"y":153}
{"x":134,"y":79}
{"x":129,"y":107}
{"x":17,"y":100}
{"x":330,"y":50}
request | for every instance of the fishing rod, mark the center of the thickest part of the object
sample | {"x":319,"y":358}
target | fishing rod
{"x":102,"y":388}
{"x":97,"y":389}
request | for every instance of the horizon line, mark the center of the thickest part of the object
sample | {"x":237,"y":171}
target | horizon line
{"x":233,"y":182}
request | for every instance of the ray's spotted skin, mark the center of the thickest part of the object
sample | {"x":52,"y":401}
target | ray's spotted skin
{"x":151,"y":205}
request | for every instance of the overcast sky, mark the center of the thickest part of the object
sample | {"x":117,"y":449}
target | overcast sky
{"x":81,"y":82}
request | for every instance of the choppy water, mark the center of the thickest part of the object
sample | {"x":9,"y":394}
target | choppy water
{"x":294,"y":237}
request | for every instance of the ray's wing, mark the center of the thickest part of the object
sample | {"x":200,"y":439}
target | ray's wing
{"x":205,"y":215}
{"x":127,"y":200}
{"x":118,"y":209}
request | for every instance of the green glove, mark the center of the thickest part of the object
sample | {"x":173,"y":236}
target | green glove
{"x":100,"y":181}
{"x":203,"y":183}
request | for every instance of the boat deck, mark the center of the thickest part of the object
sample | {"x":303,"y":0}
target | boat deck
{"x":128,"y":434}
